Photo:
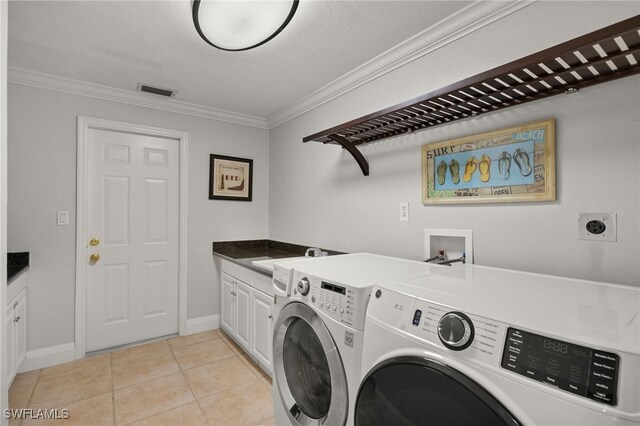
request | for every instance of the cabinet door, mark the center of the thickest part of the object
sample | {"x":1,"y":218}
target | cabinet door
{"x":243,"y":314}
{"x":20,"y":329}
{"x":262,"y":311}
{"x":227,"y":307}
{"x":10,"y":348}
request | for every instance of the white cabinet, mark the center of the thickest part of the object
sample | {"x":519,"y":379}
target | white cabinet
{"x":243,"y":314}
{"x":16,"y":323}
{"x":227,"y":304}
{"x":262,"y":325}
{"x":246,"y":312}
{"x":11,"y":369}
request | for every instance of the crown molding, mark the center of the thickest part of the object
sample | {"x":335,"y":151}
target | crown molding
{"x":82,"y":88}
{"x":472,"y":18}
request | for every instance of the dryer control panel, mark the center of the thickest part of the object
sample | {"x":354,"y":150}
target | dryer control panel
{"x":577,"y":369}
{"x":344,"y":303}
{"x":583,"y":371}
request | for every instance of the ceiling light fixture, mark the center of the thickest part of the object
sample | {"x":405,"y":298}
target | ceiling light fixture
{"x":236,"y":25}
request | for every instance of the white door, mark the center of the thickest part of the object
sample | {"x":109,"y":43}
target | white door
{"x":227,"y":311}
{"x":9,"y":349}
{"x":133,"y":211}
{"x":20,"y":321}
{"x":243,"y":314}
{"x":262,"y":313}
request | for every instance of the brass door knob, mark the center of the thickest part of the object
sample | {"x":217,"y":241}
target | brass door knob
{"x":94,"y":257}
{"x":94,"y":242}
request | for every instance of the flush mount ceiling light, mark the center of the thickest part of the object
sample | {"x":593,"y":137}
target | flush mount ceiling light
{"x":236,"y":25}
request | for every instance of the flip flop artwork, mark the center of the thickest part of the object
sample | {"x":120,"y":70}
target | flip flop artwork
{"x":454,"y":167}
{"x":504,"y":165}
{"x":521,"y":158}
{"x":472,"y":165}
{"x":449,"y":167}
{"x":485,"y":168}
{"x":442,"y":172}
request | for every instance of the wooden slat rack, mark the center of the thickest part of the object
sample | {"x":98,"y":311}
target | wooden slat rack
{"x":609,"y":53}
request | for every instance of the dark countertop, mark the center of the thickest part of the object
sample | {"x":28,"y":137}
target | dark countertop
{"x":16,"y":263}
{"x":244,"y":252}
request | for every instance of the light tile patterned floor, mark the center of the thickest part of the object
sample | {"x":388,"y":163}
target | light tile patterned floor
{"x":202,"y":379}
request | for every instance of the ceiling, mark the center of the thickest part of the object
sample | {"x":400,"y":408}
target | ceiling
{"x":121,"y":43}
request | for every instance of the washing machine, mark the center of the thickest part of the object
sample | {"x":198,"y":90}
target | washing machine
{"x":320,"y":308}
{"x":485,"y":346}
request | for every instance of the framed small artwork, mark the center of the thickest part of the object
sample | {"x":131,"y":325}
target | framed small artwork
{"x":230,"y":178}
{"x":516,"y":164}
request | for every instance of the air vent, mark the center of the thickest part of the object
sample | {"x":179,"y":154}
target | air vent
{"x":143,"y":87}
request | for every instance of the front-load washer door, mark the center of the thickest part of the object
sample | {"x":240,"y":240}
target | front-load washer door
{"x":418,"y":391}
{"x":308,"y":369}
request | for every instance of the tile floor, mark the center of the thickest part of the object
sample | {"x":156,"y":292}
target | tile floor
{"x":202,"y":379}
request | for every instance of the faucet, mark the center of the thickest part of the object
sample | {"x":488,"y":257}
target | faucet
{"x":314,"y":252}
{"x":439,"y":257}
{"x":462,"y":259}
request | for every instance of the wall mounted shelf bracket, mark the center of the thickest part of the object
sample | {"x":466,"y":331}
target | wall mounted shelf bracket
{"x":357,"y":155}
{"x":606,"y":54}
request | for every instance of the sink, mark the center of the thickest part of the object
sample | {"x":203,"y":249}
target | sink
{"x":267,"y":265}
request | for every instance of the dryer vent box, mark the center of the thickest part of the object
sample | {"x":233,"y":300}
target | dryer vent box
{"x":454,"y":242}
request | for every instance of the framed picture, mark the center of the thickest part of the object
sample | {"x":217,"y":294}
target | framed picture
{"x":230,"y":178}
{"x":509,"y":165}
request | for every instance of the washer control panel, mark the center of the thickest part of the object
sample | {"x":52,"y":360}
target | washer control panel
{"x":343,"y":303}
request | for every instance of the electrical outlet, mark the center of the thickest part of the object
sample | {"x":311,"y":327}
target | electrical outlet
{"x":597,"y":226}
{"x":404,"y":212}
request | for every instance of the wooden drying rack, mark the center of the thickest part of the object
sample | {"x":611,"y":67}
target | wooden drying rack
{"x":603,"y":55}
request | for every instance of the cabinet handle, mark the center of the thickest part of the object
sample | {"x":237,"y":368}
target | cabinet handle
{"x":17,"y":319}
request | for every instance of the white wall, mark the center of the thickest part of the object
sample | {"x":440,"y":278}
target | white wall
{"x":318,"y":195}
{"x":42,"y":180}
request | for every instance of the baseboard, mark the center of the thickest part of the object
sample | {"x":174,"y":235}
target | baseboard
{"x":200,"y":324}
{"x":46,"y":357}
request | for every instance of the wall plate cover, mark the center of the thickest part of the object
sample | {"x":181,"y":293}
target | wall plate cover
{"x":404,"y":212}
{"x":62,"y":218}
{"x":597,"y":226}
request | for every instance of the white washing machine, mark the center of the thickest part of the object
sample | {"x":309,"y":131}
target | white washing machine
{"x":484,"y":346}
{"x":320,"y":308}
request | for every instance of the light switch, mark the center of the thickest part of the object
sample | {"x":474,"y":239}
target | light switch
{"x":63,"y":218}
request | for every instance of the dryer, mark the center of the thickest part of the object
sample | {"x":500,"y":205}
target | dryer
{"x":477,"y":345}
{"x":320,"y":308}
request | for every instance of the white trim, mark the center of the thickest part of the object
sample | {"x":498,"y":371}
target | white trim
{"x":472,"y":18}
{"x":82,"y":88}
{"x":4,"y":368}
{"x":46,"y":357}
{"x":198,"y":325}
{"x":84,"y":123}
{"x":182,"y":267}
{"x":468,"y":20}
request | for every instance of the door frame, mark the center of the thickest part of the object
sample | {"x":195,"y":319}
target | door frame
{"x":84,"y":124}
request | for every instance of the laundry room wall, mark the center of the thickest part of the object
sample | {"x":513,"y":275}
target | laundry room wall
{"x":42,"y":180}
{"x":319,"y":196}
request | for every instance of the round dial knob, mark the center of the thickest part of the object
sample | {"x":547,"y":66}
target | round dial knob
{"x":455,"y":331}
{"x":303,"y":286}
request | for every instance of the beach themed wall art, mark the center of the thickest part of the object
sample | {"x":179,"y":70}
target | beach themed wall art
{"x":509,"y":165}
{"x":230,"y":178}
